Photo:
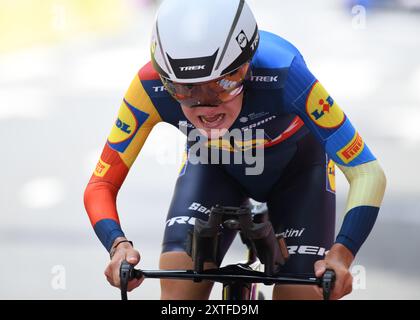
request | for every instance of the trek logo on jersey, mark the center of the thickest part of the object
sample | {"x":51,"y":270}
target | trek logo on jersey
{"x":180,"y":220}
{"x":101,"y":168}
{"x":322,"y":109}
{"x":311,"y":250}
{"x":265,"y":79}
{"x":126,"y":126}
{"x":352,"y":149}
{"x":330,"y":175}
{"x":159,"y":89}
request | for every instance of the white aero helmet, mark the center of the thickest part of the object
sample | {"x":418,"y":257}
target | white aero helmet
{"x":210,"y":42}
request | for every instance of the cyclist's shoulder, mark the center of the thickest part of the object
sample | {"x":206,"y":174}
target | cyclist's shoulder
{"x":147,"y":85}
{"x":151,"y":82}
{"x":148,"y":89}
{"x":274,"y":52}
{"x":272,"y":62}
{"x":148,"y":73}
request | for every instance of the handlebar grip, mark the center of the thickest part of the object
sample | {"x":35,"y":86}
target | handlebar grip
{"x":126,"y":274}
{"x":328,"y":280}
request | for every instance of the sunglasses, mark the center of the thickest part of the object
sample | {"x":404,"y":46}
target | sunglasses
{"x":208,"y":94}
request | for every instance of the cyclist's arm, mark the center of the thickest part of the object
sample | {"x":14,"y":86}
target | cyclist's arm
{"x":306,"y":97}
{"x":135,"y":120}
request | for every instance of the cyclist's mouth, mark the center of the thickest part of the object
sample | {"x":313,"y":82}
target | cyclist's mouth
{"x":213,"y":121}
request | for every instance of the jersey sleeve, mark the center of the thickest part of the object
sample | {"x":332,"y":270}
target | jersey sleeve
{"x":305,"y":96}
{"x":135,"y":120}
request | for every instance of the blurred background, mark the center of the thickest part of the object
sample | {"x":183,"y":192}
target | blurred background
{"x":64,"y":68}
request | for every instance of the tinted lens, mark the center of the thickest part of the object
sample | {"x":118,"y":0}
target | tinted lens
{"x":211,"y":93}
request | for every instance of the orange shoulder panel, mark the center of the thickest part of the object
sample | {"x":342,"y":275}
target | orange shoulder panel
{"x":148,"y":72}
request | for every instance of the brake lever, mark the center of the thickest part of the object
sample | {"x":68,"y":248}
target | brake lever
{"x":328,"y":280}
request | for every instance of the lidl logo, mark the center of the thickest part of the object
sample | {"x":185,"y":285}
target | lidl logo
{"x":322,"y":109}
{"x":352,"y":149}
{"x":330,"y":175}
{"x":101,"y":168}
{"x":124,"y":127}
{"x":128,"y":123}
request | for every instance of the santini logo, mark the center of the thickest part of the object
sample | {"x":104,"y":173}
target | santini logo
{"x":193,"y":68}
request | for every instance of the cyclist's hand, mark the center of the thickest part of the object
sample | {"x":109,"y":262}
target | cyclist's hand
{"x":123,"y":252}
{"x":338,"y":259}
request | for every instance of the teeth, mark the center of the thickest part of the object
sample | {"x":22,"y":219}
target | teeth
{"x":220,"y":117}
